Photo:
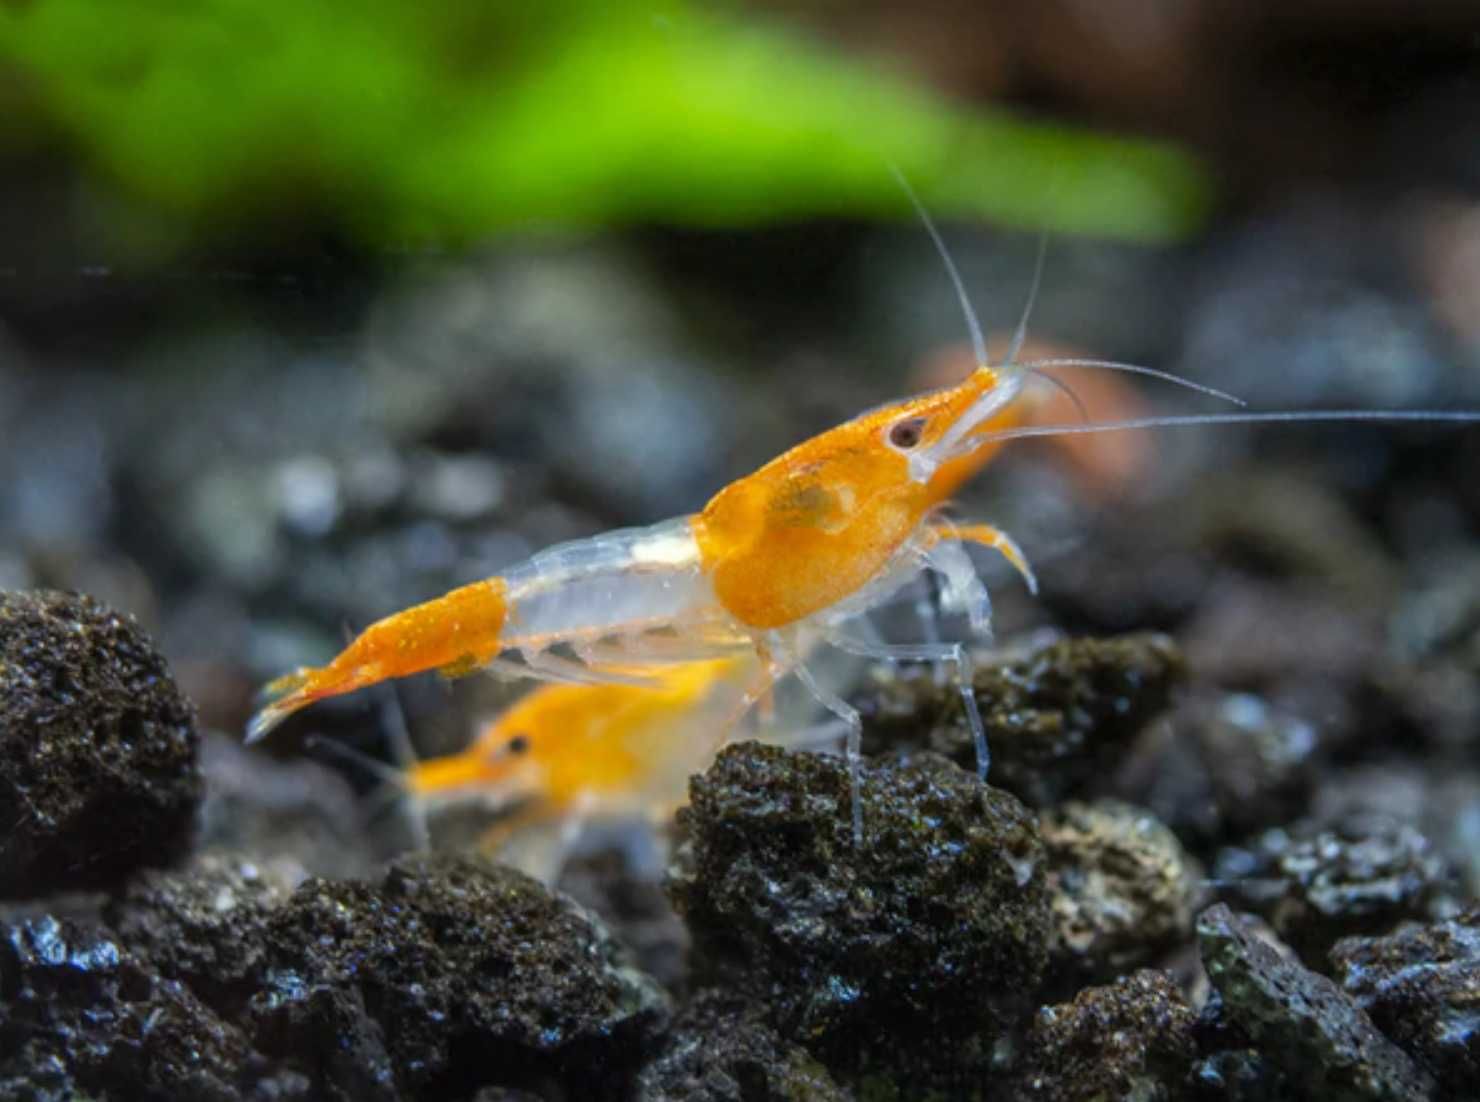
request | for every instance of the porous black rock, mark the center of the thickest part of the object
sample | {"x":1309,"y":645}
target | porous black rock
{"x":1298,"y":1024}
{"x":99,"y":769}
{"x":635,"y":908}
{"x":1122,"y":890}
{"x":449,"y":975}
{"x":85,"y":1018}
{"x":1319,"y":881}
{"x":1058,"y":718}
{"x":721,"y":1050}
{"x":1130,"y":1039}
{"x":1421,"y":985}
{"x":204,"y":924}
{"x":910,"y":953}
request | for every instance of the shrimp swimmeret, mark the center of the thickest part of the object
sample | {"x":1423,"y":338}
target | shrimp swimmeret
{"x":792,"y":555}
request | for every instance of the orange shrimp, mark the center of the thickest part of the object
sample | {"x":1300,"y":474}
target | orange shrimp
{"x":776,"y":562}
{"x":568,"y":755}
{"x":772,"y":549}
{"x":795,"y":554}
{"x":583,"y":750}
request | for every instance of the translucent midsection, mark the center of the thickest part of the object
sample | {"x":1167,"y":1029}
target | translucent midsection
{"x":622,"y":582}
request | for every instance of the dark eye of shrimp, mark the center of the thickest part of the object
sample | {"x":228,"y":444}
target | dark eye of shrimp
{"x":519,"y":744}
{"x":904,"y":435}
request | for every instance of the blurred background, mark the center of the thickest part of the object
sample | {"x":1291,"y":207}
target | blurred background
{"x":309,"y":312}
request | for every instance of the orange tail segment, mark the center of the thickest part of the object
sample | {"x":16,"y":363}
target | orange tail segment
{"x":460,"y":629}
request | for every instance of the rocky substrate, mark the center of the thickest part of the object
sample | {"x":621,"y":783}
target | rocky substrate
{"x":1053,"y":938}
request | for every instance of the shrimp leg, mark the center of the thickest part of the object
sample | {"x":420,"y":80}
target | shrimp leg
{"x":985,"y":535}
{"x":954,"y":653}
{"x":853,"y":752}
{"x":942,"y":554}
{"x":534,"y":841}
{"x":542,"y":664}
{"x":927,"y":613}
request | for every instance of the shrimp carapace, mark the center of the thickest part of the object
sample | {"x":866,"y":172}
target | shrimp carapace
{"x":818,"y":523}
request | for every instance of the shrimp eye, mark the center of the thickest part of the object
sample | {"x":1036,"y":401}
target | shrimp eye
{"x":519,"y":744}
{"x":904,"y":435}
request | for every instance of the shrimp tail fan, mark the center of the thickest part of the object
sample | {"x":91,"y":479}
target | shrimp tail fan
{"x":280,"y":699}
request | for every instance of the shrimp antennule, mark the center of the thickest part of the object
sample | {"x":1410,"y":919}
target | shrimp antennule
{"x":978,"y":341}
{"x":1133,"y":369}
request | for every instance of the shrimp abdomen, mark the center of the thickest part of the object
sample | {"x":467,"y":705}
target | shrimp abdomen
{"x":454,"y":630}
{"x":621,"y":582}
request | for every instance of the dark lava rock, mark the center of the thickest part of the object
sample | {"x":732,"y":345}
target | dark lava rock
{"x":1440,"y":615}
{"x":909,"y":954}
{"x":449,"y":975}
{"x":1057,"y":718}
{"x":1122,"y":890}
{"x":1221,"y":767}
{"x":205,"y":925}
{"x":720,"y":1051}
{"x":1318,"y":882}
{"x":1133,"y":1039}
{"x":1439,"y":795}
{"x":635,"y":907}
{"x":1422,"y":987}
{"x":84,"y":1018}
{"x":99,"y":770}
{"x":1327,"y":660}
{"x":1302,"y":1027}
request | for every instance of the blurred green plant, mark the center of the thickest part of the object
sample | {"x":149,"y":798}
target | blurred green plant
{"x":451,"y":121}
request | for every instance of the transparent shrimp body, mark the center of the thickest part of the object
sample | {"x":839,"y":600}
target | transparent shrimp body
{"x":627,"y":589}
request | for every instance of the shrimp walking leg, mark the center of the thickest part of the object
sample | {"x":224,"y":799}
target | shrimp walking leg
{"x":398,"y":734}
{"x":853,"y":752}
{"x":927,"y":613}
{"x":534,"y":843}
{"x":542,"y":663}
{"x":963,"y":589}
{"x":954,"y":653}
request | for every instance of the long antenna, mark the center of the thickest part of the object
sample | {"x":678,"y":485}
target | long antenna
{"x":978,"y":342}
{"x":1423,"y":416}
{"x":374,"y":766}
{"x":1020,"y":334}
